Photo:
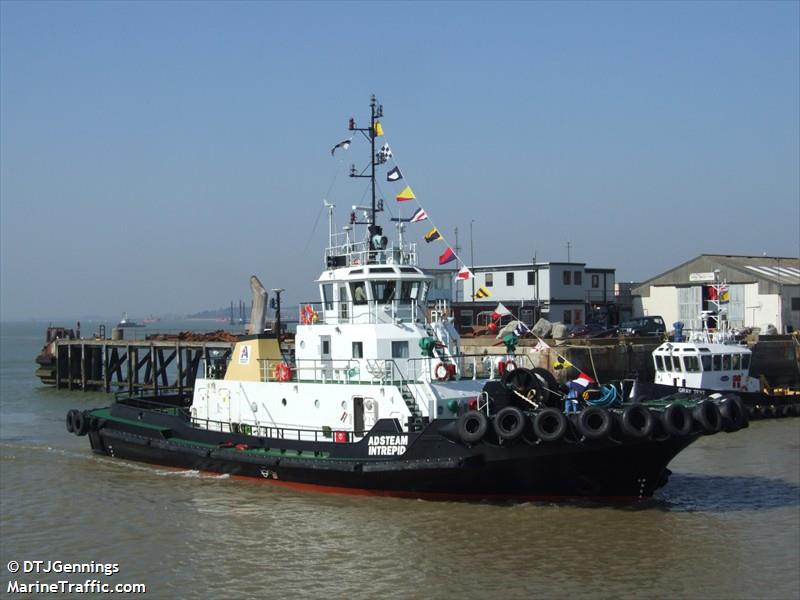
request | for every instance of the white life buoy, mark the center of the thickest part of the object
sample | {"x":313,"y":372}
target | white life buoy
{"x":441,"y":372}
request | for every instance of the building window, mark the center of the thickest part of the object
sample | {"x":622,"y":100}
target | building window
{"x":578,"y":317}
{"x":466,"y":318}
{"x":578,"y":278}
{"x":326,"y":347}
{"x":567,"y":275}
{"x":595,"y":281}
{"x":509,"y":279}
{"x":795,"y":303}
{"x":399,"y":349}
{"x":358,"y":349}
{"x":489,"y":279}
{"x":531,"y":278}
{"x":567,"y":314}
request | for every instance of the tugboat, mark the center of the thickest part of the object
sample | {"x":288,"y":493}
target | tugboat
{"x":379,"y":397}
{"x":712,"y":361}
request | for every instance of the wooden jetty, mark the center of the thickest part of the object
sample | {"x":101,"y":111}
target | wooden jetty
{"x":130,"y":365}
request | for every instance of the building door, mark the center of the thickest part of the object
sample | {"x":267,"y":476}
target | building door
{"x":690,"y":305}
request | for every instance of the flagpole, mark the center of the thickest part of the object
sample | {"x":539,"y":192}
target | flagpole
{"x":472,"y":258}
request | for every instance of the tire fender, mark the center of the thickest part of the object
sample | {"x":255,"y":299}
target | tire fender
{"x":472,"y":426}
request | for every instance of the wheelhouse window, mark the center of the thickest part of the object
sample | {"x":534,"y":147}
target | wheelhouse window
{"x":668,"y":363}
{"x":746,"y":362}
{"x":706,"y":361}
{"x":399,"y":349}
{"x":718,"y":362}
{"x":726,"y":362}
{"x":676,"y":364}
{"x":409,"y":290}
{"x":659,"y":363}
{"x":692,"y":364}
{"x":489,"y":279}
{"x":736,"y":361}
{"x":358,"y":349}
{"x":383,"y":291}
{"x":567,"y":277}
{"x":510,"y":279}
{"x":531,"y":277}
{"x":358,"y":290}
{"x":327,"y":296}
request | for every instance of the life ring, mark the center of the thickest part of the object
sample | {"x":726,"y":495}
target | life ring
{"x":308,"y":315}
{"x":510,"y":365}
{"x":282,"y":372}
{"x":441,"y":372}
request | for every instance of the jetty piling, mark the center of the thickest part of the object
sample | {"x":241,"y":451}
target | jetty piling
{"x":131,"y":366}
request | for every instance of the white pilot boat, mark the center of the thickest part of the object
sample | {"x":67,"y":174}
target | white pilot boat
{"x":713,"y":361}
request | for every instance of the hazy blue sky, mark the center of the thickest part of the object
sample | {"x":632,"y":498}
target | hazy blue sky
{"x":155,"y":155}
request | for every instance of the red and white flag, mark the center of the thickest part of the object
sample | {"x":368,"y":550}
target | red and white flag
{"x":465,"y":274}
{"x":500,"y":311}
{"x":583,"y":380}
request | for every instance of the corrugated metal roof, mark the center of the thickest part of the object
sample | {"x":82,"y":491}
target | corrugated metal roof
{"x":776,"y":270}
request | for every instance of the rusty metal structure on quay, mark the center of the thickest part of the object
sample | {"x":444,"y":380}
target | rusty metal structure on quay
{"x":158,"y":362}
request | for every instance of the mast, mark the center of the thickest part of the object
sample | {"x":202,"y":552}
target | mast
{"x":376,"y":112}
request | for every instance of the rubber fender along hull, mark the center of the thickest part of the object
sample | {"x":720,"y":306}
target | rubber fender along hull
{"x":437,"y":467}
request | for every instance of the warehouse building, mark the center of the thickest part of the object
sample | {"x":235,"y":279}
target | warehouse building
{"x":761,"y":291}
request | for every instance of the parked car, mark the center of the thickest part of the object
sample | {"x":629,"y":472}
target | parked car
{"x":592,"y":330}
{"x":644,"y":326}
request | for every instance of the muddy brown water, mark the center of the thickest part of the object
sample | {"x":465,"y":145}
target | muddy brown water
{"x":726,"y":526}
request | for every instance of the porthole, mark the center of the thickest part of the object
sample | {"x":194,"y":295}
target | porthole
{"x":316,"y":403}
{"x":344,"y":404}
{"x":283,"y":401}
{"x":302,"y":343}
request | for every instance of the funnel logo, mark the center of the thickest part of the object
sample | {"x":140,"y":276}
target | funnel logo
{"x":244,"y":355}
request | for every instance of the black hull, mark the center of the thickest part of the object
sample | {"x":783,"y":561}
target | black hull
{"x":758,"y":404}
{"x":432,"y":465}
